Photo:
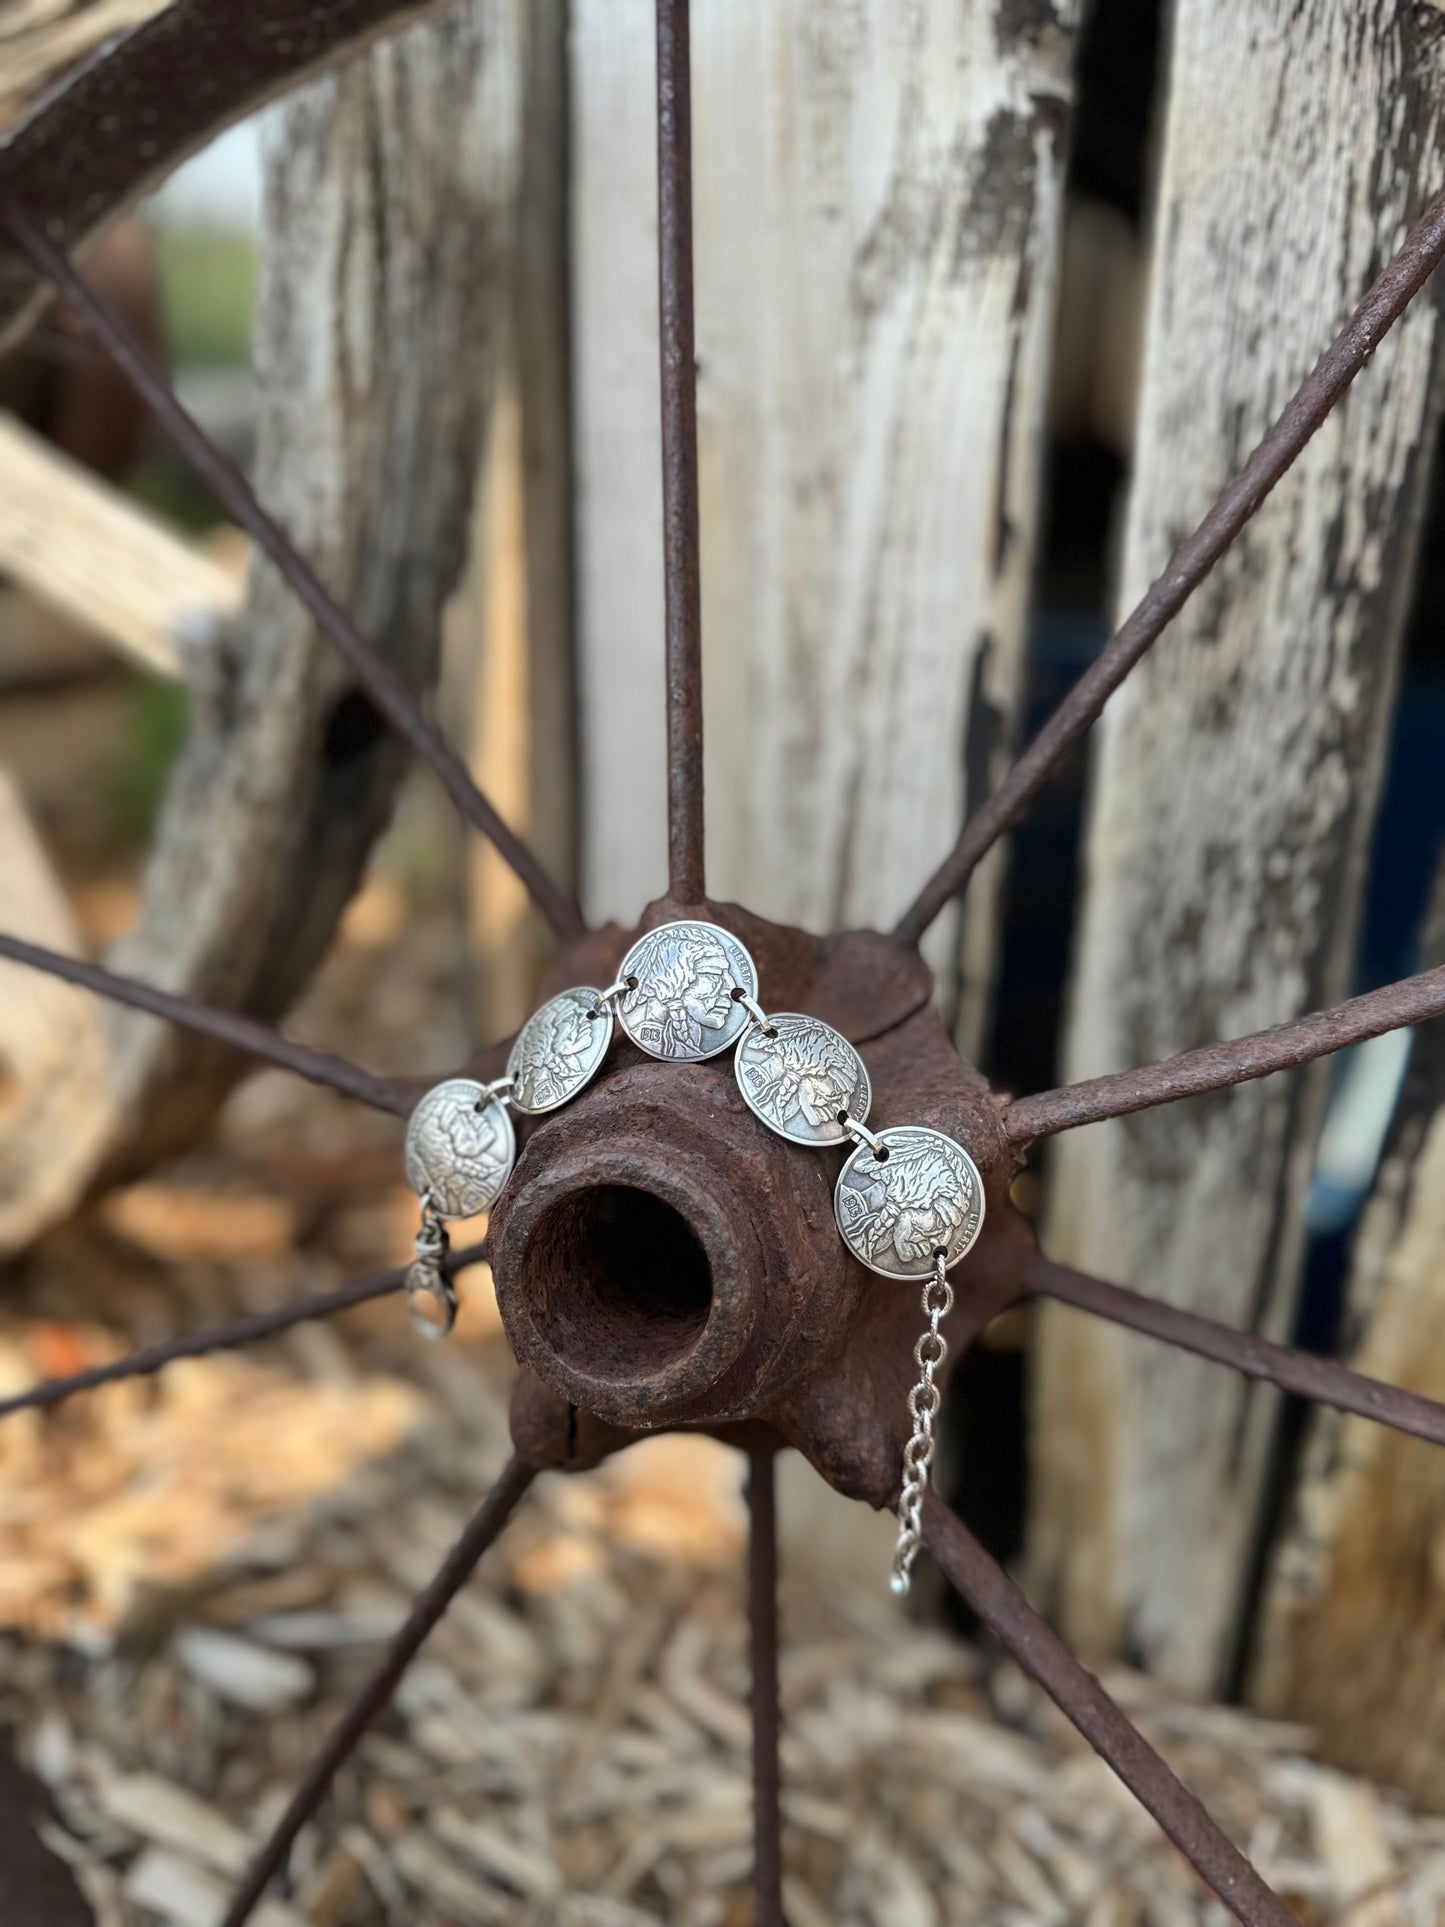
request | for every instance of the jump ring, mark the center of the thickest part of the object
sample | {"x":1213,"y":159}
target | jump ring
{"x":756,"y":1014}
{"x":860,"y":1134}
{"x":610,"y":995}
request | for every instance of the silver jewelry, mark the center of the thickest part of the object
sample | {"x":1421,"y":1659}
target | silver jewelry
{"x":802,"y":1078}
{"x":460,"y":1147}
{"x":856,"y":1129}
{"x":910,"y":1195}
{"x":923,"y":1406}
{"x":428,"y":1280}
{"x":908,"y":1201}
{"x":559,"y":1050}
{"x":460,"y":1144}
{"x":684,"y":984}
{"x":909,"y":1204}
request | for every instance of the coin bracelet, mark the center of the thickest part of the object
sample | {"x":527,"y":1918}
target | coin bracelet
{"x":908,"y":1201}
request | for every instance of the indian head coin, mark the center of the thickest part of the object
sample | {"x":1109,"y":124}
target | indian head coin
{"x":679,"y":1001}
{"x":460,"y":1148}
{"x":803,"y":1078}
{"x":558,"y":1050}
{"x":896,"y":1211}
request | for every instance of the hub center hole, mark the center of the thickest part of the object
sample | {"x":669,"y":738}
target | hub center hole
{"x":624,"y":1286}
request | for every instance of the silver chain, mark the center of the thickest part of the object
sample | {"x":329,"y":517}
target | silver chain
{"x":427,"y":1281}
{"x":923,"y":1405}
{"x":450,"y":1188}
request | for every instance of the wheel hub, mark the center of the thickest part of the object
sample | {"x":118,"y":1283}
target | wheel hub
{"x":661,"y":1259}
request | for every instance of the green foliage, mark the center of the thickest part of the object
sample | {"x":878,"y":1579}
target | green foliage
{"x":152,"y":739}
{"x":209,"y":284}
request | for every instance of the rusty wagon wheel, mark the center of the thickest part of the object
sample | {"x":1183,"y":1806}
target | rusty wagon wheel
{"x":762,"y":1329}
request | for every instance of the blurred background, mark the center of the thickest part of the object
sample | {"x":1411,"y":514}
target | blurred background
{"x":992,"y":301}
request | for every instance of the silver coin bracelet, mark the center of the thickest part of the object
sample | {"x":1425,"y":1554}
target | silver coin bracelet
{"x":908,"y":1201}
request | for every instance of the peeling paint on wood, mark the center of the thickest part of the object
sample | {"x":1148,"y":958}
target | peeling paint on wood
{"x":1235,"y":782}
{"x":876,"y":225}
{"x":389,"y":196}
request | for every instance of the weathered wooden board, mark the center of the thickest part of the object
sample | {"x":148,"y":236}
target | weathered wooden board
{"x":876,"y":227}
{"x":390,"y":197}
{"x":1354,"y":1614}
{"x":53,"y":1051}
{"x":41,"y":39}
{"x":389,"y":201}
{"x":91,"y":555}
{"x":524,"y":728}
{"x":1234,"y":785}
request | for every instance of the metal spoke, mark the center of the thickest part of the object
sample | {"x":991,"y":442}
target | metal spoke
{"x":1215,"y":1067}
{"x":1190,"y":563}
{"x":227,"y":1026}
{"x":236,"y":1331}
{"x":381,"y":682}
{"x":763,"y":1646}
{"x":1293,"y":1371}
{"x":682,"y":595}
{"x":1074,"y":1690}
{"x":453,"y":1574}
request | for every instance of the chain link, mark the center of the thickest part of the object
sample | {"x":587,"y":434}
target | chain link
{"x":427,"y":1277}
{"x":923,"y":1406}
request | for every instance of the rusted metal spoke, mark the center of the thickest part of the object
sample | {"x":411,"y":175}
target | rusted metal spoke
{"x":236,"y":1331}
{"x":380,"y":681}
{"x":455,"y":1570}
{"x":192,"y":68}
{"x":1075,"y":1691}
{"x":1190,"y":563}
{"x":763,"y":1646}
{"x":1293,"y":1371}
{"x":1216,"y":1066}
{"x":682,"y":592}
{"x":227,"y":1026}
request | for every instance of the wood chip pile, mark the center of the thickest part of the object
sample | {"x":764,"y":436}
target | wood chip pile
{"x":573,"y":1745}
{"x":198,"y":1572}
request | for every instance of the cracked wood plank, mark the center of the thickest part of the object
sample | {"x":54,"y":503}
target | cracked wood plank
{"x":877,"y":198}
{"x":389,"y":203}
{"x":1354,"y":1609}
{"x":1235,"y":781}
{"x":95,"y":558}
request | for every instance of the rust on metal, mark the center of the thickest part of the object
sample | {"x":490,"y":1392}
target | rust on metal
{"x":235,"y":1331}
{"x":1401,"y":280}
{"x":458,"y":1566}
{"x":1294,"y":1371}
{"x":1214,"y":1067}
{"x":386,"y":689}
{"x":226,"y":1026}
{"x":125,"y":118}
{"x":682,"y":593}
{"x":763,"y":1654}
{"x":1074,"y":1690}
{"x":661,"y":1259}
